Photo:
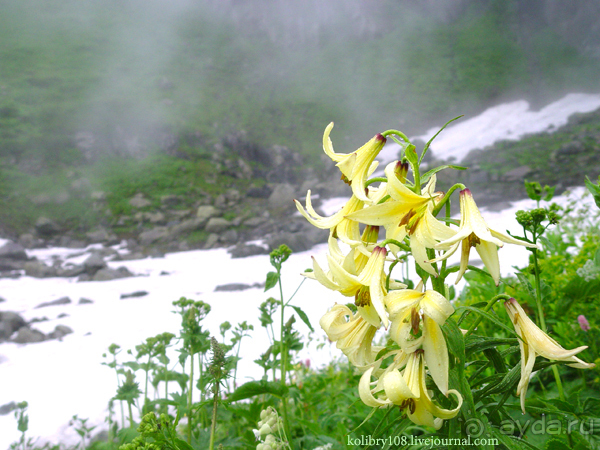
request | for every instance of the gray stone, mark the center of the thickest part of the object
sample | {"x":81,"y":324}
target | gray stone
{"x":134,"y":294}
{"x":27,"y":335}
{"x":46,"y":227}
{"x":217,"y":225}
{"x":108,"y":273}
{"x":38,"y":269}
{"x":245,"y":250}
{"x":187,"y":226}
{"x":13,"y":251}
{"x":94,"y":263}
{"x":230,"y":236}
{"x":154,"y":217}
{"x":211,"y":241}
{"x":71,"y":270}
{"x":153,"y":235}
{"x":99,"y":235}
{"x":259,"y":192}
{"x":59,"y":332}
{"x":517,"y":174}
{"x":232,"y":287}
{"x":59,"y":301}
{"x":221,"y":201}
{"x":170,"y":200}
{"x":139,"y":201}
{"x":282,"y":196}
{"x":9,"y":323}
{"x":206,"y":212}
{"x":84,"y":301}
{"x":27,"y":240}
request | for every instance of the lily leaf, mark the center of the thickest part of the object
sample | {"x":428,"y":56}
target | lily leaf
{"x":427,"y":175}
{"x":272,"y":279}
{"x":303,"y":316}
{"x":254,"y":388}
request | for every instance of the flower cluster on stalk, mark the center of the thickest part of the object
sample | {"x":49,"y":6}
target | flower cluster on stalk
{"x":359,"y":265}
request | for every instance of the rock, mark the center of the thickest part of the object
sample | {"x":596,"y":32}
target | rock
{"x":188,"y":226}
{"x":27,"y":240}
{"x":46,"y":227}
{"x":70,"y":270}
{"x":517,"y":174}
{"x":259,"y":192}
{"x":217,"y":225}
{"x":154,"y":217}
{"x":59,"y":301}
{"x":2,"y":300}
{"x":7,"y":408}
{"x":170,"y":200}
{"x":10,"y":264}
{"x":134,"y":294}
{"x":108,"y":273}
{"x":11,"y":250}
{"x":206,"y":212}
{"x":282,"y":196}
{"x":211,"y":241}
{"x":100,"y":235}
{"x":59,"y":332}
{"x":27,"y":335}
{"x":232,"y":287}
{"x":230,"y":236}
{"x":38,"y":269}
{"x":139,"y":201}
{"x":84,"y":301}
{"x":254,"y":222}
{"x":245,"y":250}
{"x":153,"y":235}
{"x":9,"y":323}
{"x":298,"y":242}
{"x":94,"y":263}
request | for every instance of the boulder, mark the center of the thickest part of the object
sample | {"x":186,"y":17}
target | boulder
{"x":38,"y":269}
{"x":59,"y":301}
{"x":134,"y":294}
{"x":108,"y":273}
{"x":245,"y":250}
{"x":27,"y":335}
{"x":94,"y":263}
{"x":11,"y":250}
{"x":59,"y":332}
{"x":282,"y":196}
{"x":153,"y":235}
{"x":217,"y":225}
{"x":205,"y":212}
{"x":46,"y":227}
{"x":9,"y":323}
{"x":188,"y":226}
{"x":139,"y":201}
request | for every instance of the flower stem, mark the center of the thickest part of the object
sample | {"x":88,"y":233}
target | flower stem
{"x":191,"y":387}
{"x":542,"y":321}
{"x":486,"y":309}
{"x":283,"y":359}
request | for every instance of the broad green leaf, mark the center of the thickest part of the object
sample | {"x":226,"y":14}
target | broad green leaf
{"x":303,"y":316}
{"x":594,"y":190}
{"x":253,"y":388}
{"x":272,"y":279}
{"x":182,"y":445}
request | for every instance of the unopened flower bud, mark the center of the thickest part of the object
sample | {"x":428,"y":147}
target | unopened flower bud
{"x":264,"y":430}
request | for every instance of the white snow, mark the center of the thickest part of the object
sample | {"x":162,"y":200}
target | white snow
{"x":60,"y":379}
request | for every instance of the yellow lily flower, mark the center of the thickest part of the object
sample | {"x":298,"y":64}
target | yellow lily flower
{"x":408,"y":389}
{"x":367,"y":286}
{"x":409,"y":214}
{"x":416,"y":318}
{"x":352,"y":334}
{"x":474,"y":232}
{"x":535,"y":342}
{"x":356,"y":166}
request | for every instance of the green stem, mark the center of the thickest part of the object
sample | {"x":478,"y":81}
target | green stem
{"x":130,"y":415}
{"x":486,"y":309}
{"x":375,"y":180}
{"x":542,"y":320}
{"x":283,"y":359}
{"x":166,"y":385}
{"x":446,"y":197}
{"x":397,"y":133}
{"x":189,"y":402}
{"x":213,"y":425}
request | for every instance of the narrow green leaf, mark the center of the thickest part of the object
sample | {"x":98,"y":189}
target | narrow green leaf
{"x":303,"y":316}
{"x":427,"y":175}
{"x":488,"y":316}
{"x":272,"y":279}
{"x":253,"y":388}
{"x":434,"y":136}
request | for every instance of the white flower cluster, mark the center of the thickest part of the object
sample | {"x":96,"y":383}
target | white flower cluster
{"x":269,"y":430}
